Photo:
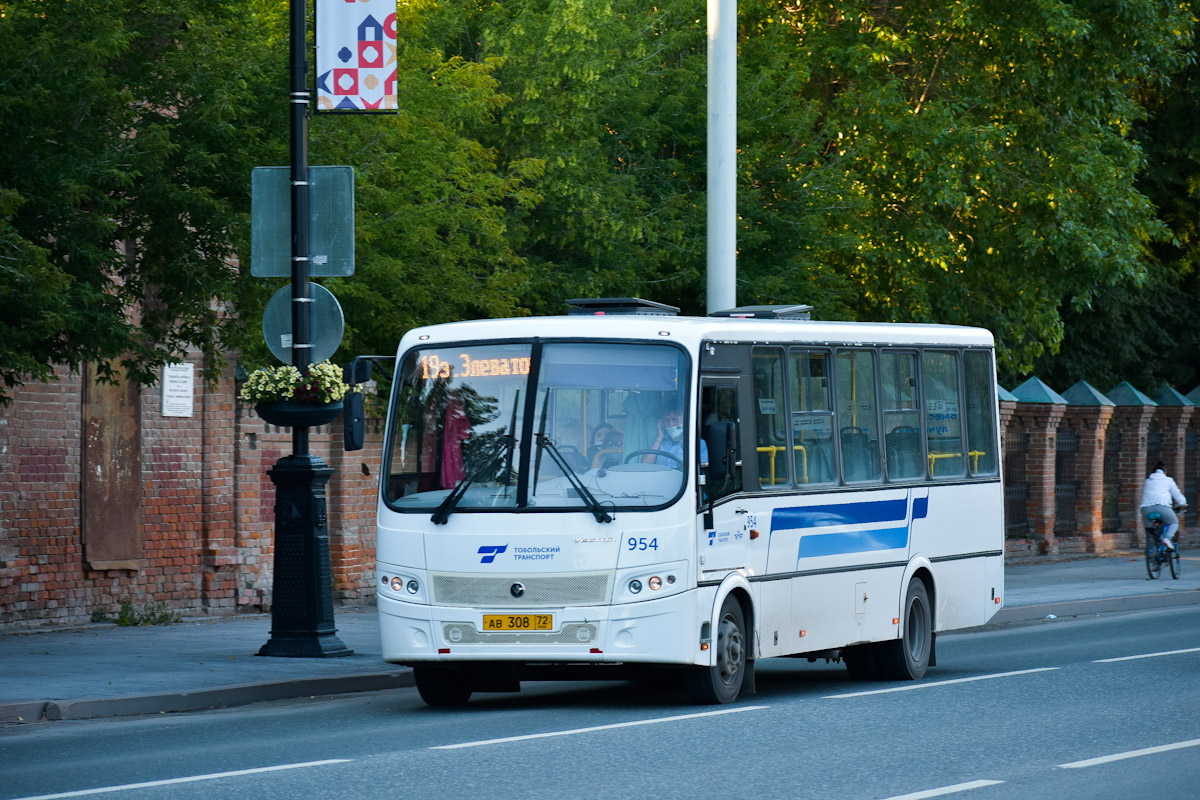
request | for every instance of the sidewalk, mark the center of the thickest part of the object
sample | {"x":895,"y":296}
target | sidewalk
{"x":102,"y":670}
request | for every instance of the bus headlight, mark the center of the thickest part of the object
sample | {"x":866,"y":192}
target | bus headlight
{"x":654,"y":583}
{"x":635,"y":586}
{"x":397,"y":584}
{"x":413,"y":586}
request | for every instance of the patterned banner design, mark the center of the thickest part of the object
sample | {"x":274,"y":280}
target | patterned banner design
{"x":356,"y":55}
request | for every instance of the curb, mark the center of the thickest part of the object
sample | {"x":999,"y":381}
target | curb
{"x":202,"y":699}
{"x":1104,"y":605}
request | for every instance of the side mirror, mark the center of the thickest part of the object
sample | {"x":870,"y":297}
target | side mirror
{"x":354,"y":421}
{"x":357,"y":371}
{"x":354,"y":415}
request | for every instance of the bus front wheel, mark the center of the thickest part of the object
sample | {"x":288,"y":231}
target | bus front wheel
{"x":441,"y":687}
{"x":722,"y":682}
{"x":907,"y":658}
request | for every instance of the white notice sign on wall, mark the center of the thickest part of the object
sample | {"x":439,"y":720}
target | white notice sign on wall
{"x":178,"y":382}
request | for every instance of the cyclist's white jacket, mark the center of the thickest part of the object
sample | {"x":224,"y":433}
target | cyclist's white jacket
{"x":1160,"y":490}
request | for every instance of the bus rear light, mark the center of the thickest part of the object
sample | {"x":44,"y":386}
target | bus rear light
{"x":655,"y":583}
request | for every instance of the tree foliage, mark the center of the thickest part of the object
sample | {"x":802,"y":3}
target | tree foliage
{"x":129,"y":127}
{"x":1021,"y":167}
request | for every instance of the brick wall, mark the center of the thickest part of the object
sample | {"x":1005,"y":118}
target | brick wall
{"x":206,"y":508}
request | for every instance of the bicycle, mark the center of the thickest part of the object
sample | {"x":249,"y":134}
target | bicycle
{"x":1157,"y":553}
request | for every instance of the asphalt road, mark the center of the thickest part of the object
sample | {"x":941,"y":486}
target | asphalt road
{"x":1055,"y":710}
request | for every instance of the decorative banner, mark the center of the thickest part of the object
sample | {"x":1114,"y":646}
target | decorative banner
{"x":356,"y":55}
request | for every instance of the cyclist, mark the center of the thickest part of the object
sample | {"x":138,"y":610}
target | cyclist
{"x":1159,"y":494}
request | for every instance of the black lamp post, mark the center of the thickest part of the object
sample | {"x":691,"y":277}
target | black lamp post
{"x":302,"y":597}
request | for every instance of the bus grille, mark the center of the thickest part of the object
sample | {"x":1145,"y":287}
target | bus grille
{"x":490,"y":591}
{"x":571,"y":633}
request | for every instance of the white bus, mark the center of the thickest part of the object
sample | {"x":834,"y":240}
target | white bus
{"x":621,"y":489}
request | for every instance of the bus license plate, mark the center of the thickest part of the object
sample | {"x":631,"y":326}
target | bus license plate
{"x":518,"y":622}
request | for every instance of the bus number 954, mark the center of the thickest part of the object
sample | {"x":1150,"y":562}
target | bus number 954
{"x":642,"y":544}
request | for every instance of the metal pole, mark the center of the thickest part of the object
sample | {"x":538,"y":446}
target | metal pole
{"x":722,"y":155}
{"x":301,"y":302}
{"x":302,"y":623}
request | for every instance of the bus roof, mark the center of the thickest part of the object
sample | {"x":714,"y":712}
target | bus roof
{"x":691,"y":331}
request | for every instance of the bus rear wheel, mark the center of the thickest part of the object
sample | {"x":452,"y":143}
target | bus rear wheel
{"x":907,"y":658}
{"x":722,"y":682}
{"x":441,"y":687}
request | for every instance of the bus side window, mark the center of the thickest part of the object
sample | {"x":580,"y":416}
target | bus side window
{"x":719,"y":427}
{"x":981,"y":431}
{"x":770,"y":419}
{"x":901,"y":416}
{"x":812,"y":416}
{"x":943,"y":417}
{"x":857,"y":404}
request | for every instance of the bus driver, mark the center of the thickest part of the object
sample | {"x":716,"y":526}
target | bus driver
{"x":670,"y":438}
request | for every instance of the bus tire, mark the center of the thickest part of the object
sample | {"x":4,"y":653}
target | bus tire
{"x":722,"y":682}
{"x":862,"y":662}
{"x":907,"y":658}
{"x":442,"y":688}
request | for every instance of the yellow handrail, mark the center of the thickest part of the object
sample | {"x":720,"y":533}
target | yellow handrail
{"x":773,"y":449}
{"x":974,"y":454}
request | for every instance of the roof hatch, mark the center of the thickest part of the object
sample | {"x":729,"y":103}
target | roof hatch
{"x":620,"y":306}
{"x":766,"y":312}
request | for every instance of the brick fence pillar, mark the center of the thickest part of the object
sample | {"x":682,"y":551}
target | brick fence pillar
{"x":1039,"y":411}
{"x":1089,"y":413}
{"x":1132,"y":416}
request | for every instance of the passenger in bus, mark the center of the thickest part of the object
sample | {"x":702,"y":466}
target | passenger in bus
{"x":599,"y":438}
{"x":670,"y":438}
{"x":606,"y":449}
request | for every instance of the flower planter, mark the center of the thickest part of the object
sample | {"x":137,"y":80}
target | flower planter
{"x":292,"y":414}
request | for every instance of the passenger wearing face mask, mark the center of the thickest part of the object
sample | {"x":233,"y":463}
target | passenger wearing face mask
{"x":670,"y":439}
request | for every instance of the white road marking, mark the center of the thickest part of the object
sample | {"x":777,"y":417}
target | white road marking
{"x":1147,"y":655}
{"x":911,"y":686}
{"x":598,"y":728}
{"x":1091,"y":762}
{"x":955,"y":789}
{"x":192,"y":779}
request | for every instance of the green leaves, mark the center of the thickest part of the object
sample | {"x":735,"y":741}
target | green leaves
{"x":125,"y":123}
{"x":975,"y":162}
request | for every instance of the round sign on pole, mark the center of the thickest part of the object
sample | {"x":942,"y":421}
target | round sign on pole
{"x":326,"y":323}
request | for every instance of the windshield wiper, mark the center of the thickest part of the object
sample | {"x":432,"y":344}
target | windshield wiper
{"x":443,"y":512}
{"x":593,"y":505}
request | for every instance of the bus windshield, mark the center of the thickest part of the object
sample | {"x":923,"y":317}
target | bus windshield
{"x":604,"y":428}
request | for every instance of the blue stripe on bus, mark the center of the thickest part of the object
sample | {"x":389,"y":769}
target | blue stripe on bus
{"x":836,"y":544}
{"x":783,"y":519}
{"x":921,"y":507}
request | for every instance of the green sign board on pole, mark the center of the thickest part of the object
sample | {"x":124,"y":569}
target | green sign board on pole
{"x":331,"y":222}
